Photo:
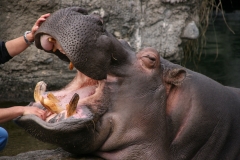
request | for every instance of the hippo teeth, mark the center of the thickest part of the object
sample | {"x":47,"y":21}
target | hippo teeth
{"x":52,"y":40}
{"x":50,"y":102}
{"x":54,"y":106}
{"x":56,"y":46}
{"x":66,"y":103}
{"x":70,"y":66}
{"x":49,"y":43}
{"x":72,"y":106}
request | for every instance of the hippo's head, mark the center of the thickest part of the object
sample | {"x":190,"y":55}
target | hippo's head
{"x":116,"y":100}
{"x":80,"y":39}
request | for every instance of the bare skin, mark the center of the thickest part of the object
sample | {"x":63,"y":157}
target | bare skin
{"x":7,"y":114}
{"x":15,"y":47}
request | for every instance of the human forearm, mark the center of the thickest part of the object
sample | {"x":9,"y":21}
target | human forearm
{"x":16,"y":45}
{"x":7,"y":114}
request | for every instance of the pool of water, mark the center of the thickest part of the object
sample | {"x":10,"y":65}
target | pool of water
{"x":220,"y":59}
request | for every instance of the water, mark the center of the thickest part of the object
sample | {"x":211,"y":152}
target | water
{"x":221,"y":57}
{"x":221,"y":62}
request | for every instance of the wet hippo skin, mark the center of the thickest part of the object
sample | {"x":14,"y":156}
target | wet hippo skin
{"x":129,"y":105}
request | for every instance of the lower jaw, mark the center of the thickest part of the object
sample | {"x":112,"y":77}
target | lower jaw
{"x":80,"y":114}
{"x":75,"y":108}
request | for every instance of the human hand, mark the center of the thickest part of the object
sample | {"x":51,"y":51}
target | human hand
{"x":30,"y":36}
{"x":36,"y":111}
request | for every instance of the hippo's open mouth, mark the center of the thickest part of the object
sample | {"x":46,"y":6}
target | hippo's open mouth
{"x":81,"y":39}
{"x":71,"y":102}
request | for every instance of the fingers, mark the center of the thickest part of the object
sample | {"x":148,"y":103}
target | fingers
{"x":35,"y":27}
{"x":39,"y":22}
{"x":45,"y":15}
{"x":36,"y":111}
{"x":41,"y":114}
{"x":42,"y":19}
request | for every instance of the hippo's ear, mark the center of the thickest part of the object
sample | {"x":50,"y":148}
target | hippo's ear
{"x":175,"y":76}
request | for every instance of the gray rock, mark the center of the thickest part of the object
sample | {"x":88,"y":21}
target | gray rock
{"x":191,"y":31}
{"x":174,"y":1}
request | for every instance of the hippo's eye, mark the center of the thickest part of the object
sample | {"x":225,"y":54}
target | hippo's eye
{"x":149,"y":61}
{"x":151,"y":58}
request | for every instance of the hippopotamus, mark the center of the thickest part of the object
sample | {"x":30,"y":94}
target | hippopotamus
{"x":128,"y":105}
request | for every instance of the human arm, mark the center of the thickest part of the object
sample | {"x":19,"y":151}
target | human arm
{"x":10,"y":113}
{"x":17,"y":45}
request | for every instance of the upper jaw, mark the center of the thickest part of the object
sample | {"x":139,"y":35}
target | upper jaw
{"x":84,"y":59}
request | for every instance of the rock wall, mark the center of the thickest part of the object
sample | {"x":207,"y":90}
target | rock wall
{"x":162,"y":24}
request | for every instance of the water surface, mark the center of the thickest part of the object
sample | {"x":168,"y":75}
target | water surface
{"x":220,"y":59}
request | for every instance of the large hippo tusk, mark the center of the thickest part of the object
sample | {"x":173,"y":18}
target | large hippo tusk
{"x":50,"y":102}
{"x":72,"y":106}
{"x":39,"y":90}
